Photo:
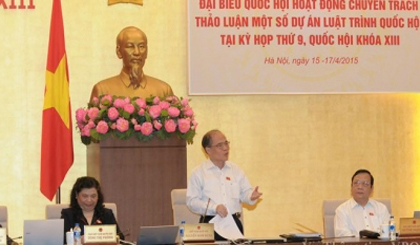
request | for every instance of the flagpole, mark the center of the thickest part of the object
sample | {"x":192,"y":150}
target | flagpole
{"x":58,"y":196}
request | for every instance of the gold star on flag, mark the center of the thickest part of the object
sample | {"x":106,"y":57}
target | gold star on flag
{"x":55,"y":88}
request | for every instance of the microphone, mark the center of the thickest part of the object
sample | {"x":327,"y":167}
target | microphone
{"x":10,"y":240}
{"x":205,"y":213}
{"x":125,"y":233}
{"x":307,"y":228}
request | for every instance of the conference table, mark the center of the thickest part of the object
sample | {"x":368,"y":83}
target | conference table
{"x":365,"y":241}
{"x":336,"y":241}
{"x":409,"y":240}
{"x":346,"y":241}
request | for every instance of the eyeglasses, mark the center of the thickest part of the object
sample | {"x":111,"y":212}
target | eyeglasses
{"x":222,"y":144}
{"x":363,"y":183}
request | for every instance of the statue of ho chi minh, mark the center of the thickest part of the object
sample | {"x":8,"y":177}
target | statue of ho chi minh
{"x":132,"y":49}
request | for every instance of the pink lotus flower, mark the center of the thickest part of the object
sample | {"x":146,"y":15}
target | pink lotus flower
{"x":170,"y":126}
{"x":91,"y":124}
{"x":95,"y":100}
{"x":129,"y":108}
{"x":141,"y":112}
{"x":156,"y":100}
{"x":120,"y":103}
{"x":102,"y":127}
{"x":188,"y":112}
{"x":173,"y":111}
{"x":113,"y":113}
{"x":157,"y":124}
{"x":106,"y":97}
{"x":81,"y":125}
{"x":122,"y":125}
{"x":137,"y":127}
{"x":172,"y":99}
{"x":184,"y":125}
{"x":164,"y":105}
{"x":85,"y":131}
{"x":81,"y":115}
{"x":194,"y":125}
{"x":134,"y":121}
{"x":184,"y":102}
{"x":155,"y":111}
{"x":93,"y":113}
{"x":141,"y":102}
{"x":146,"y":128}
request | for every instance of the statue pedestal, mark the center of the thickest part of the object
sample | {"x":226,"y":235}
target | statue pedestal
{"x":139,"y":177}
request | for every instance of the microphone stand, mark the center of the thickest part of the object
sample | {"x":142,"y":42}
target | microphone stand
{"x":205,"y":213}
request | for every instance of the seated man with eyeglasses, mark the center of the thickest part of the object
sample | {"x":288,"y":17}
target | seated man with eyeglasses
{"x":217,"y":186}
{"x":360,"y":212}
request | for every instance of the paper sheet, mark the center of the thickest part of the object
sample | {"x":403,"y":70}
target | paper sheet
{"x":226,"y":227}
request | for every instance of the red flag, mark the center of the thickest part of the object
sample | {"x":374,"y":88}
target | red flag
{"x":57,"y":142}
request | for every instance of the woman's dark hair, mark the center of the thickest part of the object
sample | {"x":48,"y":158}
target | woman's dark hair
{"x":86,"y":182}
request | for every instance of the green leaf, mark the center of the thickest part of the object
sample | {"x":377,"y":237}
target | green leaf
{"x":106,"y":102}
{"x":102,"y":113}
{"x":162,"y":134}
{"x":126,"y":115}
{"x":147,"y":116}
{"x":86,"y":140}
{"x":94,"y":134}
{"x":164,"y":113}
{"x":123,"y":135}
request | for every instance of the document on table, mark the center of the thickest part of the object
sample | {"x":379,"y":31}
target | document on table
{"x":226,"y":227}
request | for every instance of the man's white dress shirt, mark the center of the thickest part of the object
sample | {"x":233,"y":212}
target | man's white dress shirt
{"x":228,"y":186}
{"x":350,"y":217}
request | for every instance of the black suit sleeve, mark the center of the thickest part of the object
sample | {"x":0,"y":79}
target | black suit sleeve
{"x":109,"y":218}
{"x":67,"y":215}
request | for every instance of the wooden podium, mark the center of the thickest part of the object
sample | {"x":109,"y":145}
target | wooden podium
{"x":138,"y":177}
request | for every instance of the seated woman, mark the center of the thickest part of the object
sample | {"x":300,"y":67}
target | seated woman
{"x":87,"y":206}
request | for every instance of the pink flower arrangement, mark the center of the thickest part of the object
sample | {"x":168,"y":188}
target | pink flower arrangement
{"x":124,"y":117}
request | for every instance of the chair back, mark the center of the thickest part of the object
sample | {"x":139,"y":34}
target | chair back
{"x":53,"y":211}
{"x":113,"y":207}
{"x":330,"y":205}
{"x":179,"y":208}
{"x":3,"y":217}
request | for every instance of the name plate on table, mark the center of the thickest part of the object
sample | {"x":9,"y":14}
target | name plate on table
{"x":409,"y":226}
{"x":199,"y":232}
{"x":3,"y":236}
{"x":100,"y":234}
